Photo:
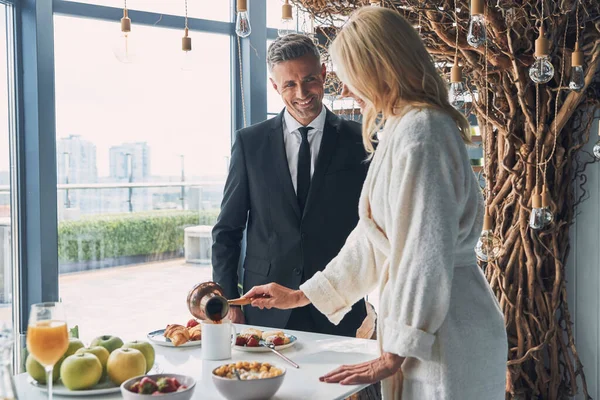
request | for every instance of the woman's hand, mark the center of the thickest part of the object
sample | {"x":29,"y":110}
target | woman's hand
{"x":366,"y":373}
{"x":274,"y":295}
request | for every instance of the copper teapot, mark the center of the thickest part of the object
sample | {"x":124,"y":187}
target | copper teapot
{"x":207,"y":300}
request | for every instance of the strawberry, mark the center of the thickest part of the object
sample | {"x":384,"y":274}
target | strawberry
{"x":181,"y":388}
{"x":175,"y":382}
{"x":135,"y":388}
{"x":241,"y":341}
{"x":165,"y":385}
{"x":147,"y":386}
{"x":157,"y":393}
{"x":252,"y":342}
{"x":192,"y":323}
{"x":278,"y":341}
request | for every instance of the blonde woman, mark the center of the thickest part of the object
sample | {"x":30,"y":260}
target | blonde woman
{"x":440,"y":328}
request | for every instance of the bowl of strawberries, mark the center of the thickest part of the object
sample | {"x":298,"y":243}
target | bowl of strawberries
{"x":165,"y":386}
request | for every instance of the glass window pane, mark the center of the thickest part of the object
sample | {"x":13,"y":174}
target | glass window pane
{"x":6,"y":170}
{"x":142,"y":151}
{"x":219,"y":10}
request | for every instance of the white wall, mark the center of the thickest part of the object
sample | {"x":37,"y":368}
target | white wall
{"x":583,"y":275}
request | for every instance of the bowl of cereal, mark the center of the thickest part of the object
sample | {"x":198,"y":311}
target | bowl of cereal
{"x":248,"y":380}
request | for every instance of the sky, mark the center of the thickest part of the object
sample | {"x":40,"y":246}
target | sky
{"x":153,"y":100}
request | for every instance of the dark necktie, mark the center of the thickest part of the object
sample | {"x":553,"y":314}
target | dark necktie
{"x":303,"y":178}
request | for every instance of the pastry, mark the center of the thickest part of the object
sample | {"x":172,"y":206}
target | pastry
{"x":266,"y":334}
{"x":195,"y":332}
{"x":178,"y":334}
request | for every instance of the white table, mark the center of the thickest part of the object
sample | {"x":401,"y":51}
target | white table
{"x":316,"y":354}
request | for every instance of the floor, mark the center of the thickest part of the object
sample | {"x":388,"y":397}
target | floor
{"x":130,"y":301}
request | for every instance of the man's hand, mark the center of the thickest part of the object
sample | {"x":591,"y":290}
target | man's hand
{"x":366,"y":373}
{"x":274,"y":295}
{"x":237,"y":315}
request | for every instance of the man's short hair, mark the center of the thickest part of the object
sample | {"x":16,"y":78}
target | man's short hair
{"x":290,"y":47}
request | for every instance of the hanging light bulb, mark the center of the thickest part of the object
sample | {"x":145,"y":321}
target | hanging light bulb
{"x":542,"y":69}
{"x":596,"y":148}
{"x":537,"y":218}
{"x":457,"y":90}
{"x":287,"y":20}
{"x":577,"y":78}
{"x":312,"y":34}
{"x":488,"y":246}
{"x":477,"y":32}
{"x":242,"y":22}
{"x":547,"y":215}
{"x":186,"y":46}
{"x":124,"y":48}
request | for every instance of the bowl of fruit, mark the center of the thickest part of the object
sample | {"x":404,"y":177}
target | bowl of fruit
{"x":166,"y":386}
{"x":248,"y":380}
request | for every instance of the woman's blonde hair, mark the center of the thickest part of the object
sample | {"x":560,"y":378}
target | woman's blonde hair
{"x":382,"y":59}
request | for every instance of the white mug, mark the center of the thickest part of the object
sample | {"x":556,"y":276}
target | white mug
{"x":217,"y":340}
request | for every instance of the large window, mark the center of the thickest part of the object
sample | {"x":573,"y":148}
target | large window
{"x":219,"y":10}
{"x":7,"y":168}
{"x":142,"y":154}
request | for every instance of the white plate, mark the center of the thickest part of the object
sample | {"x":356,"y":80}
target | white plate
{"x":106,"y":387}
{"x":263,"y":349}
{"x":158,"y":338}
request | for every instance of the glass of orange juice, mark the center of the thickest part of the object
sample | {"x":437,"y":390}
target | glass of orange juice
{"x":47,"y":336}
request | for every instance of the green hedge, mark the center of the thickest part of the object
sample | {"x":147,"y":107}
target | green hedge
{"x":111,"y":236}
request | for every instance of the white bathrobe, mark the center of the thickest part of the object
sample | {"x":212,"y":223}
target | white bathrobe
{"x":421,"y":213}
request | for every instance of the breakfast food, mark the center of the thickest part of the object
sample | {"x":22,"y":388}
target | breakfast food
{"x":162,"y":385}
{"x":246,"y":370}
{"x":251,"y":337}
{"x":179,"y":334}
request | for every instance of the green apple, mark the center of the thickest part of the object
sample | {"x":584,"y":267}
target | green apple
{"x":99,"y":352}
{"x":80,"y":371}
{"x":74,"y":345}
{"x":124,"y":364}
{"x":109,"y":342}
{"x":146,"y":349}
{"x":37,"y":371}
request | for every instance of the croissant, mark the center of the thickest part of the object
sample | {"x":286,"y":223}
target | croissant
{"x":178,"y":334}
{"x":195,"y":332}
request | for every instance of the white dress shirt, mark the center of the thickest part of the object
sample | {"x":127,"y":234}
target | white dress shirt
{"x":292,"y":140}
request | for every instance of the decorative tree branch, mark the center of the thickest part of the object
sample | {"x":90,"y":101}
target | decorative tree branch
{"x":529,"y":276}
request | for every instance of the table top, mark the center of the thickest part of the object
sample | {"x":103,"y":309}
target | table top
{"x":316,"y":354}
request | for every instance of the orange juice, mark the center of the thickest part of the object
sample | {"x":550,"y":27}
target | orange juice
{"x":47,"y":341}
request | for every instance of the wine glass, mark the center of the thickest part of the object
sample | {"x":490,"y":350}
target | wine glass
{"x":47,"y":336}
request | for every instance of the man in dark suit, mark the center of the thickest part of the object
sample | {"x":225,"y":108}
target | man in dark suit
{"x":294,"y":182}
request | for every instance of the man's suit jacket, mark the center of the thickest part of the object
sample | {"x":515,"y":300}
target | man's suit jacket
{"x":284,"y":246}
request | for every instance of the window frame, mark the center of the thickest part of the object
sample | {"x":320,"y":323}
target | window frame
{"x":35,"y":237}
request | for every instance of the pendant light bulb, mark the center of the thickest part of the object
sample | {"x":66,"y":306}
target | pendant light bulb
{"x":242,"y":21}
{"x":457,"y":92}
{"x":488,"y":246}
{"x":542,"y":70}
{"x":477,"y":31}
{"x":186,"y":47}
{"x":312,"y":34}
{"x":537,"y":217}
{"x":287,"y":20}
{"x":124,"y":47}
{"x":577,"y":77}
